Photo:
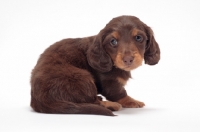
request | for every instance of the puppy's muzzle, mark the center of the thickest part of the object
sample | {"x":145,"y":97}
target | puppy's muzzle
{"x":128,"y":60}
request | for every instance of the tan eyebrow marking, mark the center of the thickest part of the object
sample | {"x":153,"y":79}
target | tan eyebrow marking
{"x":134,"y":32}
{"x":115,"y":34}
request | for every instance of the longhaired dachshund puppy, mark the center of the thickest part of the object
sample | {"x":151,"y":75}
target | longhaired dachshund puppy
{"x":71,"y":73}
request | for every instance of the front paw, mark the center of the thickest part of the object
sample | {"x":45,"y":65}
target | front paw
{"x":128,"y":102}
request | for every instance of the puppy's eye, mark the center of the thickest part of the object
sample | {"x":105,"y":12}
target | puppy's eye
{"x":138,"y":38}
{"x":113,"y":42}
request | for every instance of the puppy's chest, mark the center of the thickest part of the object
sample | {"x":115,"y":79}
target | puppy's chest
{"x":123,"y":77}
{"x":121,"y":80}
{"x":115,"y":76}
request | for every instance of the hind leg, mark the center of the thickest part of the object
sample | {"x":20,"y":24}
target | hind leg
{"x":114,"y":106}
{"x":62,"y":84}
{"x":128,"y":102}
{"x":76,"y":86}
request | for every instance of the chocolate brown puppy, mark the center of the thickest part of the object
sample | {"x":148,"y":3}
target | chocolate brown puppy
{"x":71,"y":73}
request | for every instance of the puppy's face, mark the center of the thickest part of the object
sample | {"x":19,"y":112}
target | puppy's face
{"x":126,"y":47}
{"x":124,"y":43}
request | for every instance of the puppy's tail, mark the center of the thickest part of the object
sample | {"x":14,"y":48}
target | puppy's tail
{"x":92,"y":109}
{"x":72,"y":108}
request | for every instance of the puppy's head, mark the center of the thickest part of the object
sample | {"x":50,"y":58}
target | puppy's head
{"x":124,"y":43}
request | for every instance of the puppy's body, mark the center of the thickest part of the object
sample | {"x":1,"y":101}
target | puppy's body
{"x":70,"y":73}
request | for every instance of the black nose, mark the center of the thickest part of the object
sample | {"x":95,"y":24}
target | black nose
{"x":128,"y":60}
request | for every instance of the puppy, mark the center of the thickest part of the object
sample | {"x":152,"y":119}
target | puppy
{"x":71,"y":73}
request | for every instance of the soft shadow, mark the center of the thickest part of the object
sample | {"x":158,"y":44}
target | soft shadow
{"x":133,"y":111}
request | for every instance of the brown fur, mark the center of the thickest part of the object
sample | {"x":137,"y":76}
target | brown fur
{"x":114,"y":106}
{"x":128,"y":102}
{"x":70,"y":73}
{"x":122,"y":81}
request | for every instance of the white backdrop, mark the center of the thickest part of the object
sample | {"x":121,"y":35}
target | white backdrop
{"x":170,"y":89}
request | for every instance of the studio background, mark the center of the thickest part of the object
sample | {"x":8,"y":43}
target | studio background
{"x":170,"y":89}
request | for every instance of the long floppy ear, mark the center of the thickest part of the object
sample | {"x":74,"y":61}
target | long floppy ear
{"x":152,"y":51}
{"x":97,"y":57}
